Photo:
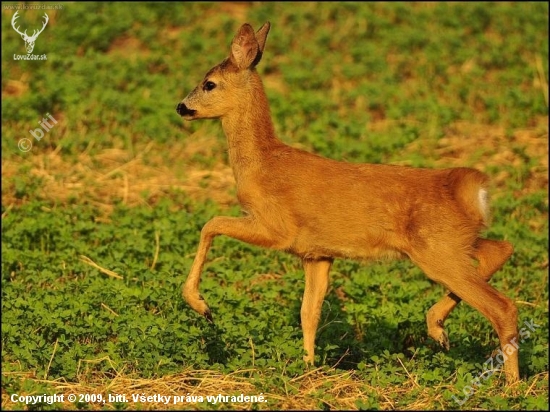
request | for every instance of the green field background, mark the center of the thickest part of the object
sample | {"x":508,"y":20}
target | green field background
{"x":101,"y":217}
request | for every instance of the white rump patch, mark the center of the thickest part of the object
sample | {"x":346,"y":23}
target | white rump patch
{"x":483,"y":197}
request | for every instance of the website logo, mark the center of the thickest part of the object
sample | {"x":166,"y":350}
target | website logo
{"x":29,"y":40}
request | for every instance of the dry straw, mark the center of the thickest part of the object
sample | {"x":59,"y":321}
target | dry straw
{"x":321,"y":388}
{"x":152,"y":171}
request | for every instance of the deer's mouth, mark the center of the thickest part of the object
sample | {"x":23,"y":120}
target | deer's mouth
{"x":184,"y":111}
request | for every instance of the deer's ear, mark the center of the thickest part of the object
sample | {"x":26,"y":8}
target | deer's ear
{"x":245,"y":48}
{"x":261,"y":35}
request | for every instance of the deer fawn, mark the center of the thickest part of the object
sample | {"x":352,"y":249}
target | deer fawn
{"x":321,"y":209}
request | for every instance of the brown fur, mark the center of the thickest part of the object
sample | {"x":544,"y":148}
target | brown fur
{"x":320,"y":209}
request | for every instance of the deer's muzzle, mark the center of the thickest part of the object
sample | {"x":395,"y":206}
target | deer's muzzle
{"x":183,"y":110}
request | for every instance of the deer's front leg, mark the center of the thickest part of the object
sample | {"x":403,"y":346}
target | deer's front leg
{"x":316,"y":272}
{"x":245,"y":229}
{"x":191,"y":287}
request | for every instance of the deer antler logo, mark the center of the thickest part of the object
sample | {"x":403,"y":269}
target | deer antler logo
{"x":29,"y":40}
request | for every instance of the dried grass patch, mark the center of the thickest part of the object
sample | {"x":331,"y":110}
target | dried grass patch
{"x":339,"y":390}
{"x":482,"y":146}
{"x":156,"y":170}
{"x":114,"y":176}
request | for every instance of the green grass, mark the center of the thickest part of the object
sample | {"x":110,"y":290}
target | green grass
{"x":362,"y":82}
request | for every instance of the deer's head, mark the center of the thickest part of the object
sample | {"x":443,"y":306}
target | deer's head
{"x":29,"y":40}
{"x":221,"y":89}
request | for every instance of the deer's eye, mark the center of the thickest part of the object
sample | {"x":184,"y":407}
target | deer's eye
{"x":208,"y":86}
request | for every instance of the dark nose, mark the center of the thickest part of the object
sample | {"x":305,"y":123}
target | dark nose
{"x":183,"y":110}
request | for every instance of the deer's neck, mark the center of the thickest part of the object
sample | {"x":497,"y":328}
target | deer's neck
{"x":249,"y":130}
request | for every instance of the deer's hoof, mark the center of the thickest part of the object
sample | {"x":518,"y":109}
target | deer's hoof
{"x":197,"y":303}
{"x":444,"y":340}
{"x":208,"y":315}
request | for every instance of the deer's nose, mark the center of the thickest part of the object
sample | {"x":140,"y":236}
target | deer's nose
{"x":183,"y":110}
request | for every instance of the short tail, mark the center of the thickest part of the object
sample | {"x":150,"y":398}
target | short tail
{"x":471,"y":192}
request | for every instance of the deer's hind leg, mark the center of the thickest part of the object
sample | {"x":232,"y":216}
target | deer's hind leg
{"x":491,"y":256}
{"x":457,"y":273}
